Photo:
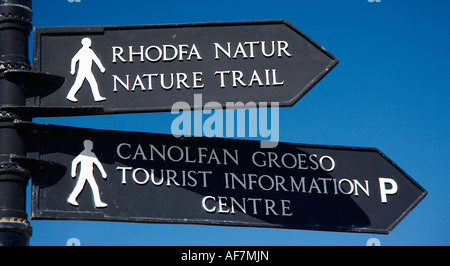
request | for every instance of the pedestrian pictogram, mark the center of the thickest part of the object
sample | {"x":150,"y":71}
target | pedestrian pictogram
{"x":85,"y":57}
{"x":87,"y":160}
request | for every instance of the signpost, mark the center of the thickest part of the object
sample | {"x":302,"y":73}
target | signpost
{"x":156,"y":178}
{"x":87,"y":174}
{"x":126,"y":69}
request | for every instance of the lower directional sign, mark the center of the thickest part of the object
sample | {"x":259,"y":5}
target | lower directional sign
{"x":155,"y":178}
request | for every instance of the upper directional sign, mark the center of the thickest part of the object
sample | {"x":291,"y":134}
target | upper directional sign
{"x":146,"y":177}
{"x":126,"y":69}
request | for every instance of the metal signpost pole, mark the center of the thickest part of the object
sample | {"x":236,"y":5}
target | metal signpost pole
{"x":15,"y":27}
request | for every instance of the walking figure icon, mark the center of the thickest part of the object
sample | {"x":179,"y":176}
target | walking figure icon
{"x":87,"y":160}
{"x":85,"y":57}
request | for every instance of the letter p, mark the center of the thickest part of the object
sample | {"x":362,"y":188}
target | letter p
{"x":384,"y":191}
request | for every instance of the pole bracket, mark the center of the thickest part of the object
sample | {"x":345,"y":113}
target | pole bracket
{"x":33,"y":165}
{"x":32,"y":162}
{"x":14,"y":224}
{"x":16,"y":12}
{"x":13,"y":171}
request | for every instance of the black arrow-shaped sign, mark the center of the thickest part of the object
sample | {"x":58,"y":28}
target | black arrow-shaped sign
{"x":123,"y":69}
{"x":156,"y":178}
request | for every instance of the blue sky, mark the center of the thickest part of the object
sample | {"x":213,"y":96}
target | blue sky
{"x":391,"y":90}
